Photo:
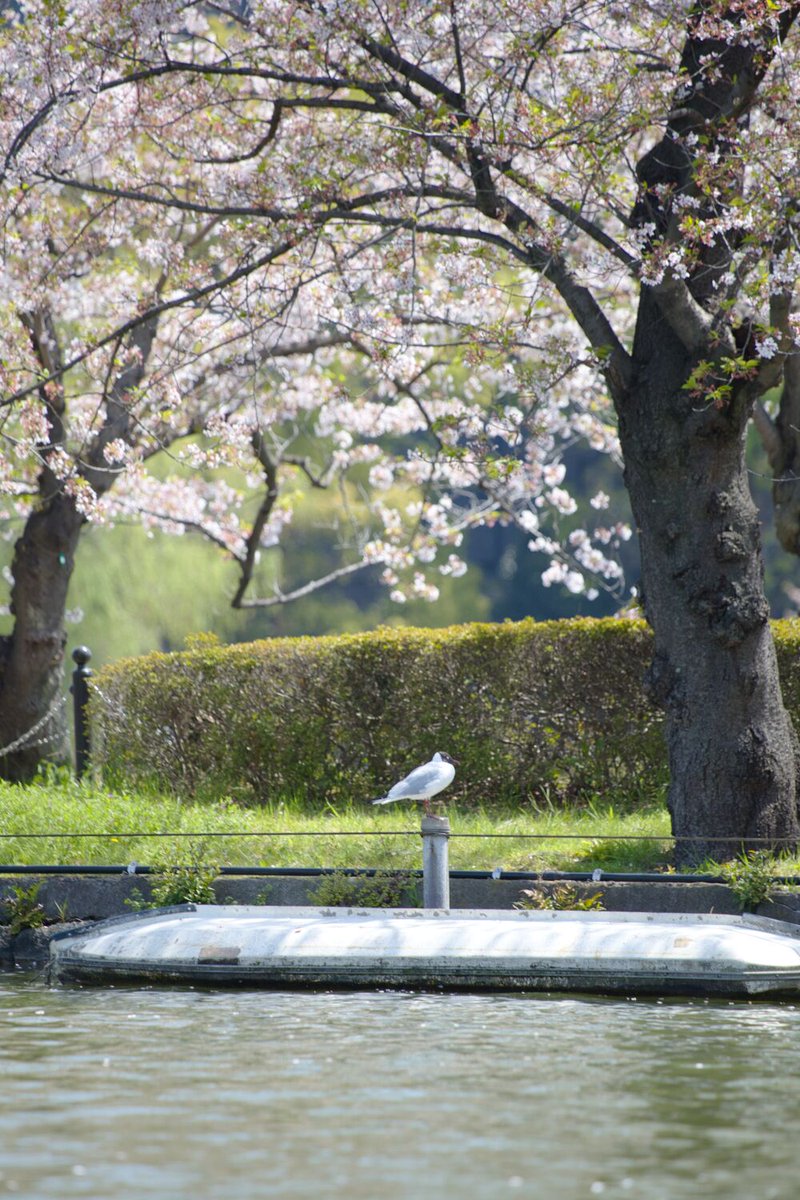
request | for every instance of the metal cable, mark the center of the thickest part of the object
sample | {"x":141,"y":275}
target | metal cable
{"x":283,"y":833}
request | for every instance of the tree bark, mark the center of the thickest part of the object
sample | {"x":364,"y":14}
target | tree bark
{"x":33,"y":719}
{"x":733,"y":753}
{"x":781,"y":440}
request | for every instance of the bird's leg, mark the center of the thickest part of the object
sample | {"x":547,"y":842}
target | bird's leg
{"x":426,"y":802}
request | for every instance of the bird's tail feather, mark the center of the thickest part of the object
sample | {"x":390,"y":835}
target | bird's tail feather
{"x":384,"y":800}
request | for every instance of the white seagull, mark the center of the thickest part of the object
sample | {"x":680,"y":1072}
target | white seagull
{"x":423,"y":782}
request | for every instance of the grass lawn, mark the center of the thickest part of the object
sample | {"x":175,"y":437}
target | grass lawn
{"x":67,"y":823}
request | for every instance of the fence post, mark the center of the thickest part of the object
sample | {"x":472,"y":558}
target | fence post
{"x":435,"y":865}
{"x":80,"y":705}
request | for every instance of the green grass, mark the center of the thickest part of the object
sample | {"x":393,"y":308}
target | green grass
{"x":76,"y":824}
{"x":61,"y":822}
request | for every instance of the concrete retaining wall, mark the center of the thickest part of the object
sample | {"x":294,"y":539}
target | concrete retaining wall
{"x":79,"y":898}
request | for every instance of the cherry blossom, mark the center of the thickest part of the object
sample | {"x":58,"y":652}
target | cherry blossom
{"x":411,"y":256}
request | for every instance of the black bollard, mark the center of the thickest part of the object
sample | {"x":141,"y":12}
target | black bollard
{"x":80,"y":705}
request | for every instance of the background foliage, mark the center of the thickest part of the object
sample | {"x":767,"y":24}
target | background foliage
{"x":134,"y":591}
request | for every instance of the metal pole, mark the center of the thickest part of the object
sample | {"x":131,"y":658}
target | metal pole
{"x":435,"y":867}
{"x":80,"y":705}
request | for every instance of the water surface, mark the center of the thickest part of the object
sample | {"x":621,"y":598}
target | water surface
{"x":157,"y":1093}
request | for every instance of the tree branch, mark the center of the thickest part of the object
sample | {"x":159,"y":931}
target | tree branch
{"x":581,"y":302}
{"x":118,"y":417}
{"x":688,"y":319}
{"x":154,"y":312}
{"x":270,"y":469}
{"x":305,"y":590}
{"x":768,"y":433}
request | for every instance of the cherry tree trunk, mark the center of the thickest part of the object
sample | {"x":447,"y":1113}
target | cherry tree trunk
{"x":33,"y":723}
{"x":783,"y":448}
{"x":733,"y":753}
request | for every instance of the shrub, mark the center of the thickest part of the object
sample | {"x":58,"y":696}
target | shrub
{"x":751,"y":878}
{"x":183,"y":875}
{"x":384,"y":889}
{"x":544,"y":714}
{"x":22,"y":910}
{"x":561,"y":897}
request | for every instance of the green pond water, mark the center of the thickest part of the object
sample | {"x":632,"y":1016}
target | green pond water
{"x":171,"y":1094}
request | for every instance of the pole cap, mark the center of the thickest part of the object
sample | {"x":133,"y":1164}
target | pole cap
{"x":435,"y":826}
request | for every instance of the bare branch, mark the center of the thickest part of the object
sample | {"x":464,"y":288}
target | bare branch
{"x":305,"y":590}
{"x":270,"y":469}
{"x":591,"y":228}
{"x":304,"y":464}
{"x":462,"y":79}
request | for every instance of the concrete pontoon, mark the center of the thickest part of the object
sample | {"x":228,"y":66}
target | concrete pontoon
{"x":600,"y":952}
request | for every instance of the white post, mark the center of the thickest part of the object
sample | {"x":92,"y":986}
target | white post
{"x":435,"y":866}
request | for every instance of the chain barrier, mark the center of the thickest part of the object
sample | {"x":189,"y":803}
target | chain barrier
{"x":23,"y":741}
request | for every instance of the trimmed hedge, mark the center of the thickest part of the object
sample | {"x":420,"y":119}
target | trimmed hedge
{"x":543,"y":713}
